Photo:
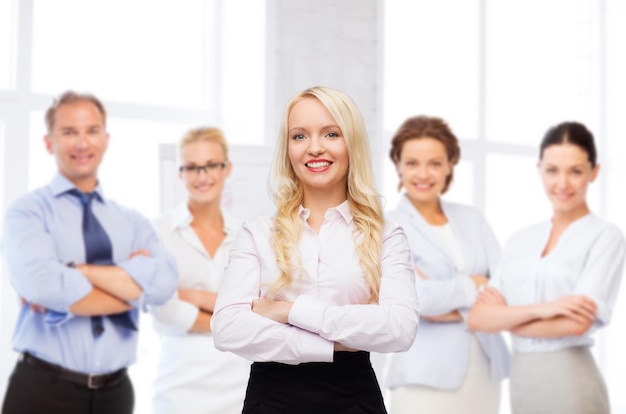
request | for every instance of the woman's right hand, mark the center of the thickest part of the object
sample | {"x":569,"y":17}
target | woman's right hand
{"x":576,"y":307}
{"x":343,"y":348}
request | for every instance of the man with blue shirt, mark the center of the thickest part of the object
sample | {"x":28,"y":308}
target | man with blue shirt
{"x":82,"y":265}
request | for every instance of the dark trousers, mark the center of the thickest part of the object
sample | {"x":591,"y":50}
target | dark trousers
{"x":32,"y":390}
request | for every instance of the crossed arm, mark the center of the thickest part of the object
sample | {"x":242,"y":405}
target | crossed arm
{"x":570,"y":315}
{"x":112,"y":289}
{"x":205,"y":302}
{"x":454,"y":315}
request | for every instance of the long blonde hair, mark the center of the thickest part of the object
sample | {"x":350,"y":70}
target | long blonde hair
{"x":287,"y":193}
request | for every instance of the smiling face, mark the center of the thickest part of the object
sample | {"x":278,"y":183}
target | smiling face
{"x":423,"y":168}
{"x":566,"y":172}
{"x":205,"y":185}
{"x":78,"y":140}
{"x":316,"y":148}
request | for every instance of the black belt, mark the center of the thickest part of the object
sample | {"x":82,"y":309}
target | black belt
{"x":91,"y":381}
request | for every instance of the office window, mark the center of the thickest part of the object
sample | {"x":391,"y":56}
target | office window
{"x":145,"y":52}
{"x":7,"y":43}
{"x":431,"y":62}
{"x":540,"y":67}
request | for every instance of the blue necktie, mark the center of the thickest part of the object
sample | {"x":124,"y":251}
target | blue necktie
{"x":98,"y":251}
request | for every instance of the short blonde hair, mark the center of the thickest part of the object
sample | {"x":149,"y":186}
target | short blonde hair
{"x":207,"y":134}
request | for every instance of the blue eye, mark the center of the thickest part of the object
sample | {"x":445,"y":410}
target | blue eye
{"x":298,"y":137}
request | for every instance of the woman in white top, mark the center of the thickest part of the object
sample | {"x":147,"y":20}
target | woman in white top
{"x":555,"y":285}
{"x":309,"y":291}
{"x":193,"y":376}
{"x":448,"y":369}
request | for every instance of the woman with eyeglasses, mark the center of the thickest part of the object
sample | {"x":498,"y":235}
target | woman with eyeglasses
{"x":556,"y":284}
{"x":193,"y":376}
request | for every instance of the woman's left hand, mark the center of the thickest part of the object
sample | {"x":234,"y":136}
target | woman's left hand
{"x":276,"y":310}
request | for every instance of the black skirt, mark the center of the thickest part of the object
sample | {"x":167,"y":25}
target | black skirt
{"x":347,"y":385}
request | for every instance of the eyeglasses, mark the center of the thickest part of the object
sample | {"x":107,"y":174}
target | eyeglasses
{"x":207,"y":168}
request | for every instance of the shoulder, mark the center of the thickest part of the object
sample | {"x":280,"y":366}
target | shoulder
{"x":35,"y":200}
{"x":402,"y":212}
{"x":527,"y":234}
{"x":464,"y":211}
{"x":602,"y":228}
{"x":392,"y":229}
{"x":131,"y":215}
{"x":231,"y":222}
{"x":164,"y":223}
{"x":258,"y":226}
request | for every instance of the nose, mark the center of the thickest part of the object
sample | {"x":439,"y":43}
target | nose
{"x":562,"y":181}
{"x":81,"y":141}
{"x":315,"y":146}
{"x":422,"y":171}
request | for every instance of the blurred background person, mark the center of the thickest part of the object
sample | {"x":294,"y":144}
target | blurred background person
{"x":448,"y":369}
{"x":193,"y":376}
{"x":556,"y":285}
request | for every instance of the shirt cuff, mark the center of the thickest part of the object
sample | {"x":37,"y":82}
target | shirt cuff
{"x":469,"y":289}
{"x":141,"y":269}
{"x":76,"y":287}
{"x":307,"y":313}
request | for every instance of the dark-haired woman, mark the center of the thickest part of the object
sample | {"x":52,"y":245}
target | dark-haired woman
{"x":555,"y":285}
{"x":448,"y":369}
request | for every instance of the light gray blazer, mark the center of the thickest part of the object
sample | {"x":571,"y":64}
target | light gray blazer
{"x":439,"y":356}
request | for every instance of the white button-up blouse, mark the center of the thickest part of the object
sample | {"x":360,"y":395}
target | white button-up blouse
{"x":588,"y":259}
{"x":330,"y":301}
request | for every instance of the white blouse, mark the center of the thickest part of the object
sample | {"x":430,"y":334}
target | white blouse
{"x":192,"y":376}
{"x":450,"y":241}
{"x":588,"y":259}
{"x":330,"y":301}
{"x":196,"y":268}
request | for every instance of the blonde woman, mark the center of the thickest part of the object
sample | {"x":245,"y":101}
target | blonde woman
{"x":308,"y":293}
{"x":194,"y":377}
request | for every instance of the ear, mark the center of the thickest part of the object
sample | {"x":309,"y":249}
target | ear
{"x":594,"y":173}
{"x":229,"y":168}
{"x":49,"y":144}
{"x":106,"y":138}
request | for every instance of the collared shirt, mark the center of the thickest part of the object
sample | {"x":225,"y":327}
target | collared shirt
{"x":42,"y":234}
{"x":588,"y":259}
{"x":196,"y":268}
{"x":193,"y":376}
{"x":330,"y":300}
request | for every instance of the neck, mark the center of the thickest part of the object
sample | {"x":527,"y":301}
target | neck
{"x":429,"y":208}
{"x":564,"y":218}
{"x":205,"y":214}
{"x":86,"y":185}
{"x":320,"y":200}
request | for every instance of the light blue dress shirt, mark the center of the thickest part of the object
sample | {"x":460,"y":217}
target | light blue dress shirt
{"x":42,"y":233}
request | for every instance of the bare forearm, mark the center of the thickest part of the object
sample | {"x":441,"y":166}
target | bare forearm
{"x":496,"y":318}
{"x":453,"y":316}
{"x":113,"y":280}
{"x":202,"y":323}
{"x":557,"y":327}
{"x":202,"y":299}
{"x":98,"y":302}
